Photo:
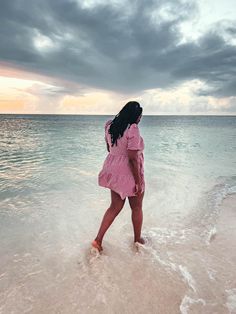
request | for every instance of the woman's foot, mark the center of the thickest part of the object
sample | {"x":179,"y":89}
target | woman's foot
{"x":97,"y":245}
{"x":141,"y":241}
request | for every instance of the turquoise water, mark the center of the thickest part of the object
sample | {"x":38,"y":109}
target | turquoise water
{"x":51,"y":205}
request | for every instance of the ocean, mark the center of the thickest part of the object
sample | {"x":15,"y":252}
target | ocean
{"x":51,"y":208}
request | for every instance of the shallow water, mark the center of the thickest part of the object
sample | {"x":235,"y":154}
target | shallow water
{"x":51,"y":208}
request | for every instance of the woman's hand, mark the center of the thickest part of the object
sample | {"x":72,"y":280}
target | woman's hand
{"x":138,"y":189}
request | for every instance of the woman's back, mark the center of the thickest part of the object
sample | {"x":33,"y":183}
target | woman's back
{"x":131,"y":139}
{"x":116,"y":173}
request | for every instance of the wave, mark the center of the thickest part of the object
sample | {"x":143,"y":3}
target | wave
{"x":224,"y":187}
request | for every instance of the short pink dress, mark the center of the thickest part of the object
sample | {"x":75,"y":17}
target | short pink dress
{"x":116,"y":173}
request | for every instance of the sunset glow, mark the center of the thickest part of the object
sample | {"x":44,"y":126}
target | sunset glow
{"x":84,"y":64}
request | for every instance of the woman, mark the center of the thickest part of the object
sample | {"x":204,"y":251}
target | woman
{"x":123,"y":169}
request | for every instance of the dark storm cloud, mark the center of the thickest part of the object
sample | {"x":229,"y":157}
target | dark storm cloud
{"x":212,"y":60}
{"x":124,"y":48}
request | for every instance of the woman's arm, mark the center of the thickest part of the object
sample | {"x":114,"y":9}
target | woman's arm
{"x":106,"y":126}
{"x":134,"y":165}
{"x":108,"y":149}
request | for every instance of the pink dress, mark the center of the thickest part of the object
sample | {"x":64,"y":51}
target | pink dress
{"x":116,"y":173}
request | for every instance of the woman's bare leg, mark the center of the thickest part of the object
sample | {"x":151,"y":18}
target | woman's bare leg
{"x":116,"y":206}
{"x":137,"y":216}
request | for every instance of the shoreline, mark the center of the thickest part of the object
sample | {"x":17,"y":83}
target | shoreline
{"x":223,"y":250}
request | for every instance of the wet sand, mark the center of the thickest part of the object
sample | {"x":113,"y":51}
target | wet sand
{"x":222,"y":248}
{"x":213,"y":266}
{"x":177,"y":272}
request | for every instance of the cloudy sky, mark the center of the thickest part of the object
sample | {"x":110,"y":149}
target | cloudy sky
{"x":92,"y":56}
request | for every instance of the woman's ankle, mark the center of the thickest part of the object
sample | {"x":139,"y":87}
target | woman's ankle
{"x":140,"y":240}
{"x":99,"y":241}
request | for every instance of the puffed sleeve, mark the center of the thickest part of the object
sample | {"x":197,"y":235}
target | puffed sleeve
{"x":133,"y":137}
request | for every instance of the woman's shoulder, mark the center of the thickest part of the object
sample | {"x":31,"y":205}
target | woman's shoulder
{"x":133,"y":126}
{"x":108,"y":122}
{"x":133,"y":129}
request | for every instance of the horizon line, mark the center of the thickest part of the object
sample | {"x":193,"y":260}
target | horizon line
{"x":85,"y":114}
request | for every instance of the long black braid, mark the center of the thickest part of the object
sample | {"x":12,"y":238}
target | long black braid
{"x":127,"y":116}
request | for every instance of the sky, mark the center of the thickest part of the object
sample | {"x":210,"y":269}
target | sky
{"x":93,"y":56}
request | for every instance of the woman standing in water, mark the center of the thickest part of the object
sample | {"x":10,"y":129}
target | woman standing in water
{"x":123,"y":169}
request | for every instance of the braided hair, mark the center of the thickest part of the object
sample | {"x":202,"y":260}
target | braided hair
{"x":127,"y":116}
